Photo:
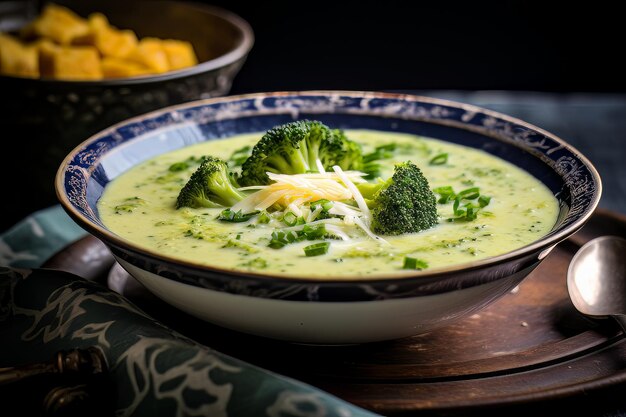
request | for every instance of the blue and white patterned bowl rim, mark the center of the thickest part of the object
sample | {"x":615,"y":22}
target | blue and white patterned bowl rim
{"x":81,"y":177}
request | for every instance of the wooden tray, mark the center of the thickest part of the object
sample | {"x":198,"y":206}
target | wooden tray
{"x":529,"y":350}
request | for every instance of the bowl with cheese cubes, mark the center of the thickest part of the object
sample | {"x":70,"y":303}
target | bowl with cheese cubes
{"x":76,"y":67}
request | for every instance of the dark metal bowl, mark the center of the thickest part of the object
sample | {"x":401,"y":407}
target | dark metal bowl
{"x":47,"y":118}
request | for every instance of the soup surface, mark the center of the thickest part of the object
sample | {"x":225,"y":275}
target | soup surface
{"x":139,"y":206}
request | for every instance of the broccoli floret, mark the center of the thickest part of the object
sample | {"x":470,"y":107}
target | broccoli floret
{"x":402,"y":204}
{"x":293,"y":148}
{"x":211,"y":185}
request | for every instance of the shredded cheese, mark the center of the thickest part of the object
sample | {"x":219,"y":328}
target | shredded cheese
{"x":297,"y":189}
{"x":320,"y":166}
{"x":293,"y":192}
{"x":356,"y":194}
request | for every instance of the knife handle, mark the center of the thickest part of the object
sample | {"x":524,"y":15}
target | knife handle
{"x":72,"y":383}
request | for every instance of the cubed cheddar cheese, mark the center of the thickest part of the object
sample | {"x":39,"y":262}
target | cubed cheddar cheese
{"x":110,"y":41}
{"x":150,"y":53}
{"x":180,"y":54}
{"x":116,"y":43}
{"x":47,"y":50}
{"x":118,"y":68}
{"x":70,"y":62}
{"x":98,"y":22}
{"x":58,"y":24}
{"x":18,"y":59}
{"x":62,"y":45}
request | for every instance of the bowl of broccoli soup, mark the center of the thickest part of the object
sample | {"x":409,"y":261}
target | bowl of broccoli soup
{"x":328,"y":217}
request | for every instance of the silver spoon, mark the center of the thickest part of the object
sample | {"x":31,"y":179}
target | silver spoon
{"x":596,"y":279}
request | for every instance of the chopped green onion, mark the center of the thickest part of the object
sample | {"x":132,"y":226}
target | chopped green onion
{"x":471,"y":212}
{"x":292,"y":236}
{"x":447,"y":194}
{"x":440,"y":159}
{"x":483,"y":201}
{"x":381,"y":152}
{"x":372,"y":170}
{"x":445,"y":190}
{"x":414,"y":263}
{"x":129,"y":205}
{"x":290,"y":219}
{"x":325,"y":204}
{"x":316,"y":249}
{"x":314,"y":232}
{"x":239,"y":156}
{"x":257,"y":263}
{"x":469,"y":194}
{"x":467,"y":203}
{"x":178,"y":166}
{"x":280,"y":238}
{"x":229,"y":215}
{"x":264,"y":217}
{"x":370,"y":166}
{"x":455,"y":207}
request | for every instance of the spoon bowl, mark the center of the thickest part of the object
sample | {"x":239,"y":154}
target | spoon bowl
{"x":596,"y":279}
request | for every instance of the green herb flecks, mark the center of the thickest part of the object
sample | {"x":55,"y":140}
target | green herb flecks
{"x":129,"y":205}
{"x":178,"y":166}
{"x":371,"y":166}
{"x":238,"y":244}
{"x":281,"y":238}
{"x":264,"y":217}
{"x":446,"y":194}
{"x":414,"y":263}
{"x":440,"y":159}
{"x":256,"y":263}
{"x":239,"y":156}
{"x":467,"y":203}
{"x":324,"y":204}
{"x":231,"y":216}
{"x":317,"y":249}
{"x":290,"y":219}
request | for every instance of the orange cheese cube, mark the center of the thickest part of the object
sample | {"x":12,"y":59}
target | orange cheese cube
{"x":17,"y":58}
{"x":180,"y":54}
{"x":107,"y":39}
{"x":150,"y":53}
{"x":116,"y":43}
{"x":98,"y":22}
{"x":117,"y":68}
{"x":70,"y":62}
{"x":58,"y":24}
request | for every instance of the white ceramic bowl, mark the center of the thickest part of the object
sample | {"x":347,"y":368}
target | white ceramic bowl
{"x":333,"y":311}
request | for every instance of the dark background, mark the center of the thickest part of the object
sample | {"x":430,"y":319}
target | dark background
{"x":396,"y":45}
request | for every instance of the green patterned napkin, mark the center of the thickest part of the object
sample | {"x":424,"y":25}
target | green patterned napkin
{"x":32,"y":241}
{"x":155,"y":370}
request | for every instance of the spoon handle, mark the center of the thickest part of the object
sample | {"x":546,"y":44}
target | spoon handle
{"x":621,"y":320}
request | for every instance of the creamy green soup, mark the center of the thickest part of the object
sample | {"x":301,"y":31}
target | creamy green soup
{"x":139,"y":206}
